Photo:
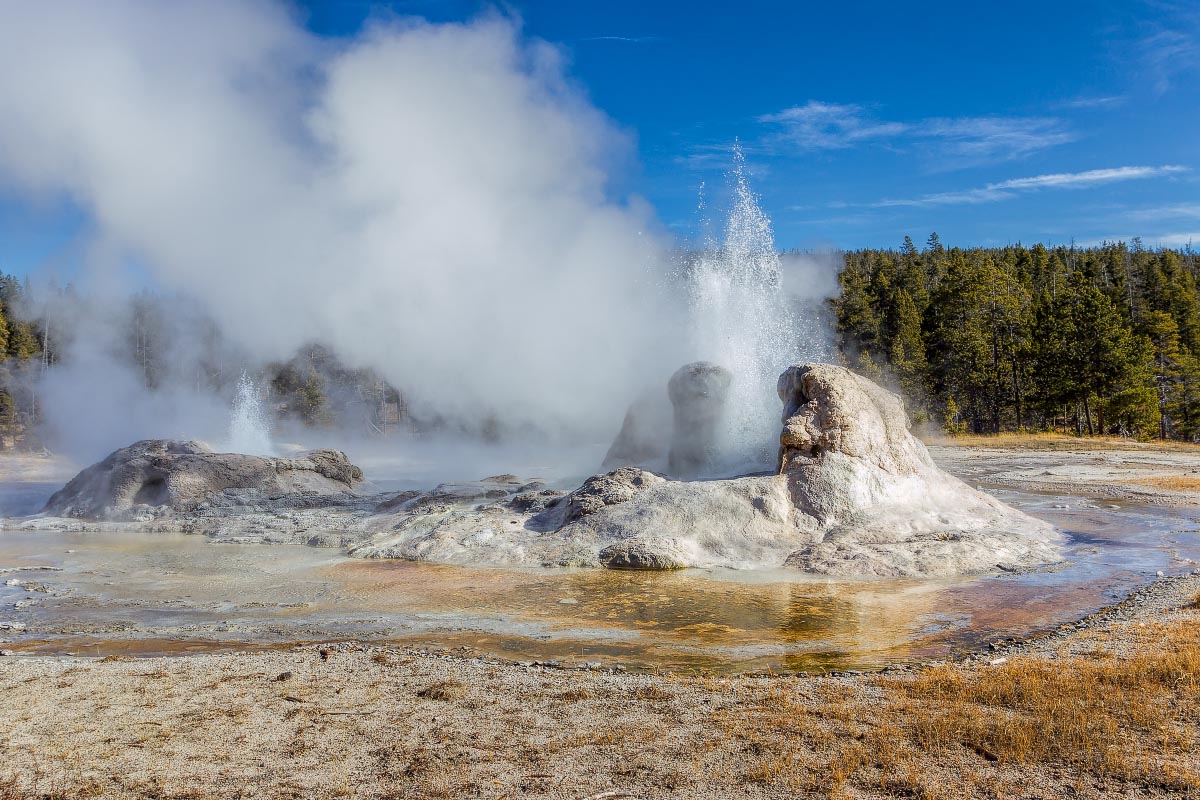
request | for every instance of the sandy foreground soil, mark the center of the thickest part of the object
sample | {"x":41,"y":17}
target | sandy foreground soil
{"x":1106,"y":707}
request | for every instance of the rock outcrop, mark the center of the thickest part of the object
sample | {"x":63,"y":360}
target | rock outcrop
{"x":596,"y":493}
{"x":675,"y":431}
{"x":160,"y":476}
{"x":856,"y":494}
{"x":697,"y":393}
{"x":881,"y":506}
{"x":657,"y":554}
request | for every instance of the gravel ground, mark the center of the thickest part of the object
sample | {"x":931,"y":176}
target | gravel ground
{"x":351,"y":720}
{"x":1132,"y":472}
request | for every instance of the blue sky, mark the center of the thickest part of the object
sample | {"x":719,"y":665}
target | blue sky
{"x":861,"y":122}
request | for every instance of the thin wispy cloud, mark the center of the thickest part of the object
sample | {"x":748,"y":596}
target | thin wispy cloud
{"x":708,"y":157}
{"x":955,"y":141}
{"x":994,"y":138}
{"x":1180,"y":211}
{"x":1167,"y":55}
{"x":1089,"y":103}
{"x":1168,"y":45}
{"x":1178,"y":239}
{"x":829,"y":126}
{"x":628,"y":39}
{"x":1005,"y":190}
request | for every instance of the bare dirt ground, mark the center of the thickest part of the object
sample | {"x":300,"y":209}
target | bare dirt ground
{"x":1105,"y":707}
{"x":1146,"y":473}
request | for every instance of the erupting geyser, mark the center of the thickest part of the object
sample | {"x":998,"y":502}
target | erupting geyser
{"x":249,"y":432}
{"x":743,"y":323}
{"x":742,"y":318}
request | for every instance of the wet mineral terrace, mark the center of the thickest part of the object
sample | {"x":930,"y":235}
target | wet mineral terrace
{"x":97,"y":594}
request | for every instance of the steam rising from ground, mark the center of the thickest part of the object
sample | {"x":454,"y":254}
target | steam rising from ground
{"x":428,"y":200}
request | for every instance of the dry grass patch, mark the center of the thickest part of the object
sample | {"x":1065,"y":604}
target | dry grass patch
{"x":1054,"y":441}
{"x":652,"y":691}
{"x":1130,"y":720}
{"x":443,"y":690}
{"x":576,"y":694}
{"x":1171,"y":483}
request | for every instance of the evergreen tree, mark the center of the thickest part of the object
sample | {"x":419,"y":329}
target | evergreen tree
{"x":858,"y":325}
{"x":1163,"y":335}
{"x":1103,"y":354}
{"x":907,"y":351}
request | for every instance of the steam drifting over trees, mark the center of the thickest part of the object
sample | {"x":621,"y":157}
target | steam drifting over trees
{"x":1093,"y":341}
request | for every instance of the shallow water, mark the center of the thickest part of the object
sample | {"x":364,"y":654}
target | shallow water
{"x":18,"y":499}
{"x":138,"y":593}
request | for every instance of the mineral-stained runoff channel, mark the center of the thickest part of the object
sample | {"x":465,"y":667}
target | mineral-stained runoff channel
{"x":128,"y":593}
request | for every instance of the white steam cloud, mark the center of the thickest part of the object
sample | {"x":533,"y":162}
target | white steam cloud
{"x":430,"y":200}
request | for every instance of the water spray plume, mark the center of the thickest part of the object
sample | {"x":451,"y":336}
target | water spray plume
{"x":743,"y":319}
{"x":249,"y":431}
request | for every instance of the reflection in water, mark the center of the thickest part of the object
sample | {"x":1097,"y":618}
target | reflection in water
{"x":152,"y":593}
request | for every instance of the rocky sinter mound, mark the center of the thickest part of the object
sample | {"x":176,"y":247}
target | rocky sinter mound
{"x":680,"y":438}
{"x":880,"y":504}
{"x":162,"y":476}
{"x":855,"y":495}
{"x":666,"y":524}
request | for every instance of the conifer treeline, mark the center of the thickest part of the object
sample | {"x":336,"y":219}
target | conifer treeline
{"x":1097,"y":340}
{"x":19,"y":342}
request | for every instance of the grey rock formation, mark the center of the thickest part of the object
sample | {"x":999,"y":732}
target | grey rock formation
{"x":829,"y":408}
{"x":645,"y":435}
{"x":882,"y":506}
{"x":536,"y":526}
{"x":697,"y":392}
{"x":740,"y":522}
{"x":597,"y":492}
{"x":653,"y":554}
{"x":856,"y":495}
{"x":676,"y":430}
{"x":157,"y":476}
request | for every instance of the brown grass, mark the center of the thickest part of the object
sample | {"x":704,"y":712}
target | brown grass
{"x":1172,"y":483}
{"x":1109,"y":716}
{"x":443,"y":690}
{"x":1053,"y":441}
{"x":1127,"y":720}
